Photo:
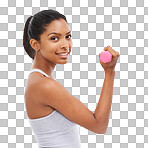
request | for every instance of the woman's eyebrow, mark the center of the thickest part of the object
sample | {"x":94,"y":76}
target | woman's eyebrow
{"x":58,"y":33}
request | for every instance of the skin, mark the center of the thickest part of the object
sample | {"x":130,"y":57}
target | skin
{"x":45,"y":58}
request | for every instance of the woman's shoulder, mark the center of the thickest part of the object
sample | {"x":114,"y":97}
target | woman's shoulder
{"x":38,"y":79}
{"x":34,"y":97}
{"x":35,"y":81}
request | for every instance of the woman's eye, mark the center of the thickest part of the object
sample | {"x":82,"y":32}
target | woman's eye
{"x":69,"y":36}
{"x":53,"y":38}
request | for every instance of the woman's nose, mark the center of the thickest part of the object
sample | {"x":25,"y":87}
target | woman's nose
{"x":65,"y":44}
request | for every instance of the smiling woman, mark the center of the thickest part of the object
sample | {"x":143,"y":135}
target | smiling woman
{"x":47,"y":40}
{"x":54,"y":114}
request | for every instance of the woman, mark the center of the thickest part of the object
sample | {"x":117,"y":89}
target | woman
{"x":54,"y":114}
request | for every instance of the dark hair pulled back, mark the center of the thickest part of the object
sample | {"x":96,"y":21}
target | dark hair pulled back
{"x":36,"y":25}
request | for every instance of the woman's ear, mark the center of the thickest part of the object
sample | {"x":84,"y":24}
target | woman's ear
{"x":35,"y":44}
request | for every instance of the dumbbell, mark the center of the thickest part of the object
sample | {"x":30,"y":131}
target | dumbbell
{"x":105,"y":56}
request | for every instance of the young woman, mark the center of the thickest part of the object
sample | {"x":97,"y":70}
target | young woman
{"x":54,"y":114}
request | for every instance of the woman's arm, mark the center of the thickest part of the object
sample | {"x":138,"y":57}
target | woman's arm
{"x":103,"y":108}
{"x":102,"y":111}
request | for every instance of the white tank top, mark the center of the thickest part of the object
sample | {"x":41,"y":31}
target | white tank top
{"x":55,"y":130}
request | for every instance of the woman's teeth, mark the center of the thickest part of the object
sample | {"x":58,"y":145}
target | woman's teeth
{"x":62,"y":53}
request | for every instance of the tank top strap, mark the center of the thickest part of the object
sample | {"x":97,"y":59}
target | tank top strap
{"x":38,"y":70}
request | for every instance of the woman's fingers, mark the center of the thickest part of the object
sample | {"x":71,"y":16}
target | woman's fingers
{"x":114,"y":53}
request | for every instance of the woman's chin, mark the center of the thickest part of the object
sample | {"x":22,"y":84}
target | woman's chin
{"x":62,"y":61}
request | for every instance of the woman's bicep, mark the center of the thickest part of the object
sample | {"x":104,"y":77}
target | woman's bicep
{"x":60,"y":99}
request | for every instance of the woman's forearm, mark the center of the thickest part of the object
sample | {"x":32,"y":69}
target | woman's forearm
{"x":102,"y":111}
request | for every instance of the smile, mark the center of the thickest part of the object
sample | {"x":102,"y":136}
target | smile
{"x":63,"y":55}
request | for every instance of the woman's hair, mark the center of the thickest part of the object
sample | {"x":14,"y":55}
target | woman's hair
{"x":36,"y":25}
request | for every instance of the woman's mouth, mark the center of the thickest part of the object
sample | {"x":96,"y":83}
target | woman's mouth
{"x":63,"y":55}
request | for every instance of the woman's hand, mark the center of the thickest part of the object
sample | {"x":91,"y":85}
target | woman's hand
{"x":109,"y":67}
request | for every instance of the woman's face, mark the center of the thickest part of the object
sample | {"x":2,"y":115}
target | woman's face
{"x":56,"y":40}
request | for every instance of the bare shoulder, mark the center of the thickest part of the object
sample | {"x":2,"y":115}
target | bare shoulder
{"x":33,"y":85}
{"x":59,"y":98}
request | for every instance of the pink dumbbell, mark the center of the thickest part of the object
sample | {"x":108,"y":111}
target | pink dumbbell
{"x":105,"y":56}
